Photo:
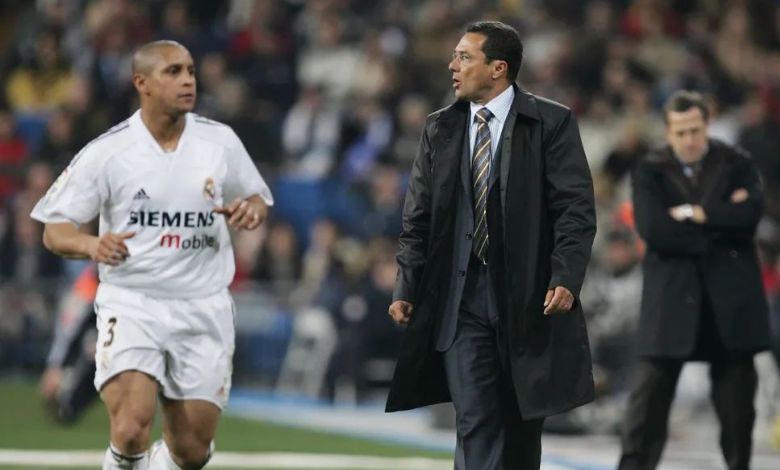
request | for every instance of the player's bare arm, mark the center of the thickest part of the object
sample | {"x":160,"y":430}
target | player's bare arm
{"x":66,"y":240}
{"x":245,"y":214}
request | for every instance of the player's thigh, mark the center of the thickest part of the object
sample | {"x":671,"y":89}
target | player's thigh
{"x":199,"y":361}
{"x":131,"y":401}
{"x":131,"y":335}
{"x":189,"y":425}
{"x":129,"y":362}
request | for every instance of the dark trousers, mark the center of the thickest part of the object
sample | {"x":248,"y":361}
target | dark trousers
{"x":774,"y":323}
{"x":734,"y":382}
{"x":491,"y":433}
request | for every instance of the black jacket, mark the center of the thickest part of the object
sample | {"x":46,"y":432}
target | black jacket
{"x":686,"y":261}
{"x":546,"y":200}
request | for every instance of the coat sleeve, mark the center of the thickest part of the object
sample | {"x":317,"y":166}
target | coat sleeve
{"x":413,"y":241}
{"x":742,"y":216}
{"x":657,"y":228}
{"x":569,"y":193}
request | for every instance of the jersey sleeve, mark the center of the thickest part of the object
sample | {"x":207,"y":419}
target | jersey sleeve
{"x":77,"y":194}
{"x":243,"y":179}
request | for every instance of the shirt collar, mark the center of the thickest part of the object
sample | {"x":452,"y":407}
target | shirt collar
{"x":499,"y":106}
{"x":137,"y":124}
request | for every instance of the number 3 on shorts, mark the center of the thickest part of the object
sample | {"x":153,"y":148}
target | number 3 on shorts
{"x":111,"y":325}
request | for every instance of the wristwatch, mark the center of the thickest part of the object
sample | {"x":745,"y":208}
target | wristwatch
{"x":687,"y":211}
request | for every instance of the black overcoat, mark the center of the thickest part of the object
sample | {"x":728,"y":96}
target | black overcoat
{"x":546,"y":198}
{"x":686,"y":261}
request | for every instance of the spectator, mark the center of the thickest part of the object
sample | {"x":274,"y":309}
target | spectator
{"x":23,"y":259}
{"x":612,"y":294}
{"x":383,"y":217}
{"x":13,"y":150}
{"x":365,"y":338}
{"x":43,"y":84}
{"x":62,"y":140}
{"x":279,"y":261}
{"x":323,"y":62}
{"x":367,"y":133}
{"x":411,"y":114}
{"x":310,"y":134}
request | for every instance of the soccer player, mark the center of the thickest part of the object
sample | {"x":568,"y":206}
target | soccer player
{"x":166,"y":184}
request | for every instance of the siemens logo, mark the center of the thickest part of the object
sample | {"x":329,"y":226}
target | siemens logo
{"x":197,"y":242}
{"x":172,"y":219}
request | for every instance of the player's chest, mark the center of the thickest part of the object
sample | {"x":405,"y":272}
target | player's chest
{"x":185,"y":180}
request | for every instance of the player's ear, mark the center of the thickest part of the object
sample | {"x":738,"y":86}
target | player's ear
{"x":139,"y":81}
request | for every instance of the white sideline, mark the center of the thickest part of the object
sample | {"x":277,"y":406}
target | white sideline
{"x":232,"y":459}
{"x":81,"y":458}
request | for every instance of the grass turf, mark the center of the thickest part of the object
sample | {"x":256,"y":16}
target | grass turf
{"x":24,"y":424}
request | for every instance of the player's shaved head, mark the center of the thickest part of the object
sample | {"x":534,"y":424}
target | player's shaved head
{"x":164,"y":76}
{"x":147,"y":55}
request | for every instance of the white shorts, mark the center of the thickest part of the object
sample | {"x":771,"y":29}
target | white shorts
{"x":185,"y":344}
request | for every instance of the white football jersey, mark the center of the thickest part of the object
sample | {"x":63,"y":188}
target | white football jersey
{"x":181,"y":247}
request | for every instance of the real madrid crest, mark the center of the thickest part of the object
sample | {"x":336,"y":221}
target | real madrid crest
{"x":210,"y":190}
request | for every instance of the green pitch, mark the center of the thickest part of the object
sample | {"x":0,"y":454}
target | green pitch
{"x":25,"y":425}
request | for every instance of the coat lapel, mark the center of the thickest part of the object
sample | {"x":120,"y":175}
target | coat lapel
{"x":523,"y":106}
{"x":465,"y":166}
{"x":709,"y":177}
{"x":451,"y":134}
{"x":495,"y":170}
{"x":711,"y":171}
{"x":673,"y":170}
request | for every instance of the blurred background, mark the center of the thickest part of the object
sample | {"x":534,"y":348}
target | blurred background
{"x":329,"y":98}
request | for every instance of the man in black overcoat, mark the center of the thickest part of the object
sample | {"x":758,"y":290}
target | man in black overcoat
{"x":498,"y":224}
{"x":697,"y":203}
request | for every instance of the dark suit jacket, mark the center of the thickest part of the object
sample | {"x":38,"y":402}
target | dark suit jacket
{"x":463,"y":232}
{"x":687,"y":261}
{"x":545,"y":199}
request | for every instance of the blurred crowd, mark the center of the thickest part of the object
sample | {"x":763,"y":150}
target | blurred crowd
{"x":329,"y":97}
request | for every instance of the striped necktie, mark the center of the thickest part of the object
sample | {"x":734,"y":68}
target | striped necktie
{"x":480,"y":175}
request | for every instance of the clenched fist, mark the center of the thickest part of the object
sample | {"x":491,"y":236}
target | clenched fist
{"x":401,"y":311}
{"x":110,"y":248}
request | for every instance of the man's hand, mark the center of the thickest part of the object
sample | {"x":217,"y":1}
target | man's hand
{"x":739,"y":195}
{"x":681,"y":213}
{"x":110,"y":248}
{"x":558,"y":300}
{"x":50,"y":383}
{"x":245,"y":214}
{"x":401,"y":311}
{"x":699,"y":216}
{"x":685,"y":212}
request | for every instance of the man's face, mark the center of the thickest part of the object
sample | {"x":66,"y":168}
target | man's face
{"x":471,"y":74}
{"x":621,"y":255}
{"x":171,"y":82}
{"x":686,"y":132}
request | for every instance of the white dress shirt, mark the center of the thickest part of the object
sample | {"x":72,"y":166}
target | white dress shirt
{"x":499,"y":106}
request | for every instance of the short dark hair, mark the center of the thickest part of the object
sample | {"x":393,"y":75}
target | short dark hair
{"x":683,"y":100}
{"x":502,"y":42}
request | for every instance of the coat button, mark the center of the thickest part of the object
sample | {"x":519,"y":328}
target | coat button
{"x":469,"y":236}
{"x":690,"y":300}
{"x":733,"y":253}
{"x":461,"y":273}
{"x":443,"y":186}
